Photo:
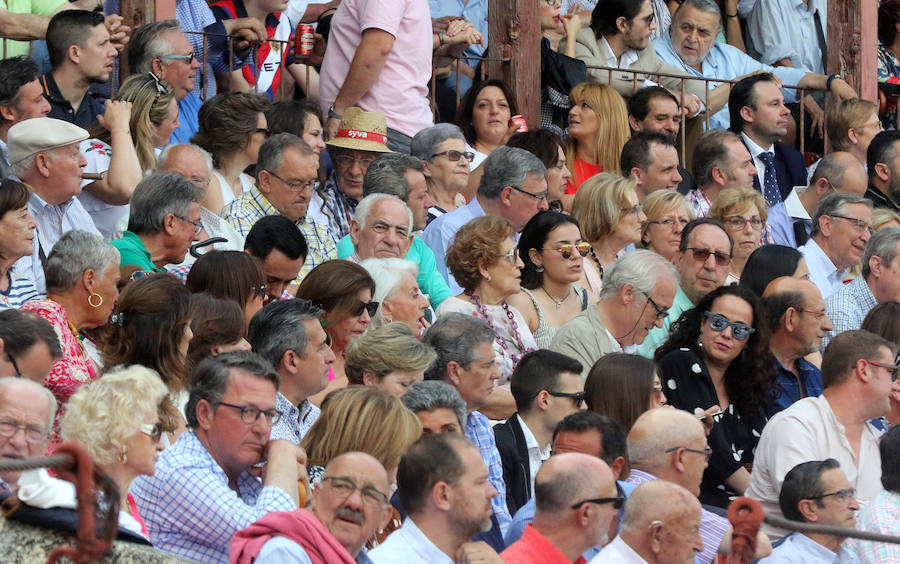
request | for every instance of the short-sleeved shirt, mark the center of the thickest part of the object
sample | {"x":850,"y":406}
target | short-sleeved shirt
{"x":60,"y":108}
{"x":133,"y":252}
{"x":38,"y":7}
{"x":881,"y":515}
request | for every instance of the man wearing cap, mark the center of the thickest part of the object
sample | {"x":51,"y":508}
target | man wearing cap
{"x":359,"y":139}
{"x":43,"y":154}
{"x":379,"y":58}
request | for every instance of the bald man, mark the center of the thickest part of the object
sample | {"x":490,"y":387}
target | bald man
{"x":798,"y":322}
{"x":577,"y":498}
{"x":661,"y":526}
{"x":28,"y":407}
{"x":351,"y":502}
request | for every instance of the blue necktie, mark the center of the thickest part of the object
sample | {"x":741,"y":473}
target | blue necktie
{"x":770,"y":184}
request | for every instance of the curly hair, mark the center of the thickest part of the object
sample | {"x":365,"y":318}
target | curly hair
{"x":476,"y":245}
{"x":750,"y":377}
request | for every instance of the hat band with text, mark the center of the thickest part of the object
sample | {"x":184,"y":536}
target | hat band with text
{"x":362,"y":135}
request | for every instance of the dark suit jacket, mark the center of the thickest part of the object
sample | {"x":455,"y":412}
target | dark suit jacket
{"x":516,"y":468}
{"x":790,"y":169}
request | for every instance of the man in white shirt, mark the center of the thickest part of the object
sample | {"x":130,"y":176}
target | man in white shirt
{"x":443,"y":485}
{"x":842,"y":225}
{"x":858,"y":373}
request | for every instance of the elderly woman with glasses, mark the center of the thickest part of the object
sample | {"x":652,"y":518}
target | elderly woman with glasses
{"x":443,"y":149}
{"x":717,"y":356}
{"x":668,"y":212}
{"x":743,"y":212}
{"x":484,"y":261}
{"x":398,"y":294}
{"x":116,"y":418}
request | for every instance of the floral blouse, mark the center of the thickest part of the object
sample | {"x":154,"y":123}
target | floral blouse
{"x":889,"y":73}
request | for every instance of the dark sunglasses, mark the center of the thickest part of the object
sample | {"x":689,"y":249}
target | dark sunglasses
{"x":568,"y":251}
{"x":719,"y":323}
{"x":722,"y":259}
{"x":577,"y":396}
{"x":371,"y":307}
{"x":454,"y":155}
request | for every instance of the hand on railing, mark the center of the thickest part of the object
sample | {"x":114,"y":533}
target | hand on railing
{"x":690,"y":105}
{"x":119,"y":33}
{"x":816,"y":114}
{"x":247,"y":32}
{"x":841,"y":89}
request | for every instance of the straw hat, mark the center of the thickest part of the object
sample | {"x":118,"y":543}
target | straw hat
{"x":361,"y":131}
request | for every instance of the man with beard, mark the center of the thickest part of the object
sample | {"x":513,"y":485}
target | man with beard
{"x":883,"y":166}
{"x":720,"y":161}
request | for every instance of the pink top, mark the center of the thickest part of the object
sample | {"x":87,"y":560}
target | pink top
{"x":401,"y":90}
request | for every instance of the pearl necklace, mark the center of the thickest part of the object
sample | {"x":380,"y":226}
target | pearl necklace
{"x":513,"y":328}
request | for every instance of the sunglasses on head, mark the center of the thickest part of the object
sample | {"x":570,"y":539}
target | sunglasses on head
{"x":371,"y":307}
{"x":719,"y":323}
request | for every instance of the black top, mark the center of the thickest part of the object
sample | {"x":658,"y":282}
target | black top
{"x":688,"y":386}
{"x":60,"y":108}
{"x":879,"y":200}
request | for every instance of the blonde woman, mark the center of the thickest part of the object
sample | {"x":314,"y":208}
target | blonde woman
{"x":607,"y":210}
{"x":883,"y":217}
{"x":121,"y":149}
{"x":668,"y":212}
{"x":743,"y":211}
{"x":388,"y":357}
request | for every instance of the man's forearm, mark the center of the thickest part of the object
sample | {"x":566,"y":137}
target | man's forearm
{"x":813,"y":80}
{"x":367,"y":63}
{"x":23,"y":26}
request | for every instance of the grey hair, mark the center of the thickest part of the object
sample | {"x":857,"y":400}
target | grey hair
{"x":427,"y":141}
{"x":387,"y":274}
{"x":278,"y":328}
{"x":147,"y":43}
{"x":835,"y":204}
{"x":641,"y":268}
{"x":883,"y":244}
{"x":158,"y":195}
{"x":430,"y":395}
{"x":508,"y":166}
{"x":454,"y":337}
{"x":20,"y":167}
{"x":161,"y":160}
{"x":387,"y":175}
{"x":210,"y":378}
{"x":11,"y":383}
{"x":74,"y":253}
{"x":271,"y":152}
{"x":365,"y":206}
{"x":708,"y":6}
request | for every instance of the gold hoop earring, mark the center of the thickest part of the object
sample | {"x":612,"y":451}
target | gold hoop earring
{"x":92,"y":304}
{"x":123,"y":457}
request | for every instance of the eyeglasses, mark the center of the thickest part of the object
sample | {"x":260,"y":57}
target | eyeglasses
{"x":870,"y":124}
{"x":198,"y":227}
{"x":841,"y":495}
{"x":892,"y":368}
{"x":33,"y":435}
{"x":718,"y":323}
{"x":859,"y":224}
{"x":250,"y":414}
{"x":738,"y":222}
{"x":154,"y":431}
{"x":160,"y":87}
{"x":370,"y":307}
{"x":15,"y":366}
{"x":540,"y":196}
{"x":259,"y":291}
{"x":577,"y":396}
{"x":512,"y":256}
{"x":189,"y":58}
{"x":707,"y":451}
{"x":349,"y":160}
{"x":568,"y":250}
{"x":670,"y":222}
{"x":294,"y":186}
{"x":722,"y":258}
{"x":661,"y":312}
{"x":616,"y":502}
{"x":345,"y":488}
{"x":384,"y":227}
{"x":454,"y":155}
{"x":634,"y":210}
{"x":817,"y":314}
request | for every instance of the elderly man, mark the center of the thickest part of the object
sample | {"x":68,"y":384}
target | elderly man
{"x":289,"y":335}
{"x":286,"y":171}
{"x":204,"y":490}
{"x":382,"y":228}
{"x":691,"y":47}
{"x":816,"y":492}
{"x":652,"y":159}
{"x":791,"y":220}
{"x":29,"y":407}
{"x":884,"y":170}
{"x":879,"y":515}
{"x":162,"y":48}
{"x":163,"y":221}
{"x":842,"y":225}
{"x":654,"y":108}
{"x":44,"y":155}
{"x":858,"y":371}
{"x":797,"y":323}
{"x":720,"y":161}
{"x":442,"y":483}
{"x":438,"y":406}
{"x":702,"y":260}
{"x":514,"y":186}
{"x":576,"y":499}
{"x":662,"y":524}
{"x":335,"y":516}
{"x":879,"y":282}
{"x":275,"y":241}
{"x":547,"y":387}
{"x":21,"y":98}
{"x":28,"y":345}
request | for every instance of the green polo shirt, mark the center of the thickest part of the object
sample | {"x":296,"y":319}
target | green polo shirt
{"x":658,"y":335}
{"x":134,"y":253}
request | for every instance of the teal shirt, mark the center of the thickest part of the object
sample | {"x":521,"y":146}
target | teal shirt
{"x":658,"y":335}
{"x":133,"y":253}
{"x":430,"y":280}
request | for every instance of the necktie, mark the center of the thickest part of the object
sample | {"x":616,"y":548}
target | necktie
{"x":770,"y":183}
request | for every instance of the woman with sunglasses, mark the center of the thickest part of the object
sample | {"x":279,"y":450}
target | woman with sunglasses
{"x":607,"y":209}
{"x":442,"y":148}
{"x":484,"y":261}
{"x":743,"y":212}
{"x":230,"y":275}
{"x":116,"y":418}
{"x":668,"y":212}
{"x":718,"y":354}
{"x":552,"y":251}
{"x":344,"y":290}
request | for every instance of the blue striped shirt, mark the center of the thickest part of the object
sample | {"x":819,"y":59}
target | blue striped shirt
{"x":20,"y":290}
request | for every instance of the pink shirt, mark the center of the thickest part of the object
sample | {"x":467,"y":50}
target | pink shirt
{"x":401,"y":90}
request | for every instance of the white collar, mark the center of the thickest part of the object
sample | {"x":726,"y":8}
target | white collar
{"x":755,"y":149}
{"x":794,"y":207}
{"x":628,"y":55}
{"x":531,"y":441}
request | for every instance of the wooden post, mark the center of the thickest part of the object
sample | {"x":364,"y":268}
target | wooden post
{"x":515,"y":33}
{"x":852,"y":44}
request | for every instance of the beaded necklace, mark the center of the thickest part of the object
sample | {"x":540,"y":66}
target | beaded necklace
{"x":513,"y":328}
{"x":597,"y":261}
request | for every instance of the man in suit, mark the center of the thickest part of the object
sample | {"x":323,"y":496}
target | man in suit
{"x":547,"y":387}
{"x":759,"y":116}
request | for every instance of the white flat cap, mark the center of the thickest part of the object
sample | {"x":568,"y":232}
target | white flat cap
{"x":32,"y":136}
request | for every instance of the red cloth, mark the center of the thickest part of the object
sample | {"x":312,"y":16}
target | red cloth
{"x":300,"y":526}
{"x":534,"y":547}
{"x":583,"y":171}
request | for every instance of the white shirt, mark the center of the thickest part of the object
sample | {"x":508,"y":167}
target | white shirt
{"x":536,"y":454}
{"x":793,"y":206}
{"x":629,"y":56}
{"x":800,"y":549}
{"x":618,"y":552}
{"x":755,"y":151}
{"x":822,"y":271}
{"x":808,"y":430}
{"x":408,"y":545}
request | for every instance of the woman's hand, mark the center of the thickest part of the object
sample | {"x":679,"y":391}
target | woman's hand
{"x":572,"y":21}
{"x":116,"y":117}
{"x":706,"y":417}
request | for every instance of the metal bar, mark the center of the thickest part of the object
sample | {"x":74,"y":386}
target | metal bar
{"x":809,"y":528}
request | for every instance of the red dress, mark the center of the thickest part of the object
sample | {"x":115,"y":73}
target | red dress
{"x":583,"y":171}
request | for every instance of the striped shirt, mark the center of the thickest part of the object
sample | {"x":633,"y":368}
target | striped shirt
{"x":20,"y":290}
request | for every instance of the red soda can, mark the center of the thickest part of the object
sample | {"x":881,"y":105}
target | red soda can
{"x":519,"y":122}
{"x":304,"y":40}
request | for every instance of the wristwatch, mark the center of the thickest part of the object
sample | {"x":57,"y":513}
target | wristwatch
{"x":831,"y":78}
{"x":334,"y":114}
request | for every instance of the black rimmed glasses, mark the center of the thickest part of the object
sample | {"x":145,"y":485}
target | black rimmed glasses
{"x":702,"y":255}
{"x":153,"y":431}
{"x":617,"y":502}
{"x":892,"y":368}
{"x":857,"y":223}
{"x":843,"y":496}
{"x":198,"y":227}
{"x":707,"y":451}
{"x":454,"y":155}
{"x":661,"y":312}
{"x":718,"y":323}
{"x":540,"y":196}
{"x":250,"y":414}
{"x":294,"y":185}
{"x":577,"y":396}
{"x":345,"y":487}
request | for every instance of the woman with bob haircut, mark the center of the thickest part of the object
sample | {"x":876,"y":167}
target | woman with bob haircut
{"x":231,"y":275}
{"x":623,"y":386}
{"x":743,"y":212}
{"x":389,"y":357}
{"x":668,"y":213}
{"x":218,"y":326}
{"x":770,"y":262}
